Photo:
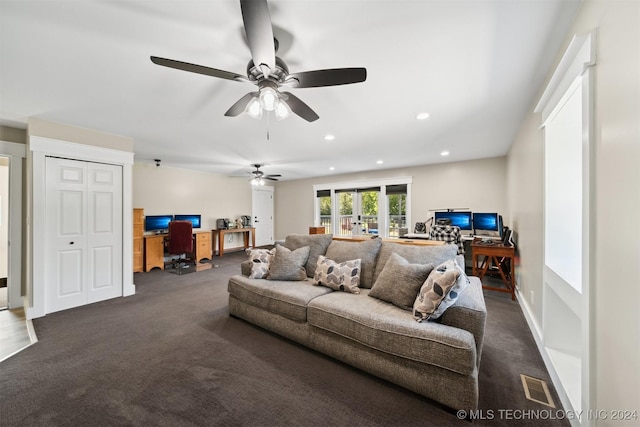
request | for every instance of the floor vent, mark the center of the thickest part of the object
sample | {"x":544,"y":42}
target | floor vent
{"x":537,"y":390}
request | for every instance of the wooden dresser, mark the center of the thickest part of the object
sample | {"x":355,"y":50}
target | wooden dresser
{"x":138,"y":239}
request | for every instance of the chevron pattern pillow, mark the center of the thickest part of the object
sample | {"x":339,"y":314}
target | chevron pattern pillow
{"x":260,"y":261}
{"x":344,"y":276}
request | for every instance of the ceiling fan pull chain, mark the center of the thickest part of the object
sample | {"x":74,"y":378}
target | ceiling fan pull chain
{"x":268,"y":125}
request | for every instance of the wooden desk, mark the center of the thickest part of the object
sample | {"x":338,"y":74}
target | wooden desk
{"x":154,"y":249}
{"x":494,"y":254}
{"x":219,"y":236}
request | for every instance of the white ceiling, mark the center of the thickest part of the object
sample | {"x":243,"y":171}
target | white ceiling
{"x":475,"y":66}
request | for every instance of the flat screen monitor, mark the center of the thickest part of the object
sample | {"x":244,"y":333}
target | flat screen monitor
{"x":487,"y":224}
{"x":195,"y":219}
{"x":157,"y":223}
{"x":461,"y":219}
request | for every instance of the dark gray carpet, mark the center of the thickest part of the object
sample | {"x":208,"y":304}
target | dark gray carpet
{"x":172,"y":356}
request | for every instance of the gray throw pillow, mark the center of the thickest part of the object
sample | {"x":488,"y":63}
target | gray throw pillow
{"x":365,"y":250}
{"x":318,"y":244}
{"x":288,"y":265}
{"x":438,"y":285}
{"x":434,"y":255}
{"x":400,"y":281}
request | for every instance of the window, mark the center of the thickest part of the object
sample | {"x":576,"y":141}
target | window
{"x":370,"y":207}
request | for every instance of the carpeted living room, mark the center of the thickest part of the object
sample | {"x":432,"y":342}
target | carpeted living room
{"x":172,"y":355}
{"x":487,"y":149}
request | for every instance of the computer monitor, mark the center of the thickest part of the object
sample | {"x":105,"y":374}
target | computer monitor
{"x":461,"y":219}
{"x":157,"y":223}
{"x":487,"y":224}
{"x":195,"y":219}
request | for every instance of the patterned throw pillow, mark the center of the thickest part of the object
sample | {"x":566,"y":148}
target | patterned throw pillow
{"x":260,"y":261}
{"x":288,"y":265}
{"x":344,"y":276}
{"x":435,"y":289}
{"x":399,"y":281}
{"x":461,"y":284}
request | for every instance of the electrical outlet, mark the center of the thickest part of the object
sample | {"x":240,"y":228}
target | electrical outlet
{"x":532,"y":295}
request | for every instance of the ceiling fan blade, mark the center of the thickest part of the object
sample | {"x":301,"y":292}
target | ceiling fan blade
{"x":330,"y":77}
{"x":299,"y":107}
{"x":269,"y":178}
{"x":240,"y":105}
{"x":257,"y":26}
{"x":274,"y":175}
{"x":200,"y":69}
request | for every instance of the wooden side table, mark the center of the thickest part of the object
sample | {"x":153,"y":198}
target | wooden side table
{"x":494,"y":254}
{"x":219,"y":236}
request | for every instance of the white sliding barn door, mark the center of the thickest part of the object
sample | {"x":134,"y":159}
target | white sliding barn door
{"x":83,"y":262}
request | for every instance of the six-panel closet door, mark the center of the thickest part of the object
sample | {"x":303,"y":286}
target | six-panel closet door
{"x":83,"y":262}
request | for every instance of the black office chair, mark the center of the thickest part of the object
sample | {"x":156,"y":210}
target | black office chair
{"x":180,"y":244}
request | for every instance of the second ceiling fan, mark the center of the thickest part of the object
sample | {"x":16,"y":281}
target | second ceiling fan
{"x":269,"y":72}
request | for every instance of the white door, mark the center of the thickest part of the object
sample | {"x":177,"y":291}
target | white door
{"x":263,"y":215}
{"x":83,"y":233}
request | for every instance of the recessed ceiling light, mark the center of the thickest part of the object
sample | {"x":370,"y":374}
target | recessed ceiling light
{"x":379,"y":162}
{"x":329,"y":137}
{"x":422,"y":116}
{"x":331,"y":168}
{"x":444,"y":153}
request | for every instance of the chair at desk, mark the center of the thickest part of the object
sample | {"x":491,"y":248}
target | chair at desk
{"x":449,"y":234}
{"x":180,"y":243}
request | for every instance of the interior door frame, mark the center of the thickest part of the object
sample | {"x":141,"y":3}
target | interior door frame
{"x":16,"y":153}
{"x":41,"y":148}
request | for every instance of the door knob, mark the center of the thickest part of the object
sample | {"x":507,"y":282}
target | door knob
{"x":71,"y":243}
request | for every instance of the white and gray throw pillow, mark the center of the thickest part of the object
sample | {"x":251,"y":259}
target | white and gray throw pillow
{"x":288,"y":265}
{"x":452,"y":296}
{"x":344,"y":276}
{"x":366,"y":251}
{"x":435,"y":289}
{"x":399,"y":281}
{"x":260,"y":262}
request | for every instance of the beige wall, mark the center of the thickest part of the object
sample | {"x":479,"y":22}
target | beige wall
{"x":62,"y":132}
{"x":615,"y":292}
{"x":165,"y":190}
{"x":11,"y":134}
{"x":476,"y":184}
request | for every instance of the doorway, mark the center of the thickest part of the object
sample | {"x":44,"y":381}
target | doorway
{"x":4,"y":232}
{"x":262,"y":201}
{"x":358,"y":210}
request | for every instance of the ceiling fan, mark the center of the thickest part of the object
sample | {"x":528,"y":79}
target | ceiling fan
{"x":259,"y":176}
{"x":269,"y":72}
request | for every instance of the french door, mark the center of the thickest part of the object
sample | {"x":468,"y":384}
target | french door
{"x":83,"y":262}
{"x":358,"y":211}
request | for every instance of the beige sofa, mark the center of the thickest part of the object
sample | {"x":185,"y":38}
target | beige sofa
{"x":437,"y":359}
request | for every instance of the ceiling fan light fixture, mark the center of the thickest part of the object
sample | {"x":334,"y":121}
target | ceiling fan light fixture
{"x":282,"y":110}
{"x":268,"y":98}
{"x":254,"y":109}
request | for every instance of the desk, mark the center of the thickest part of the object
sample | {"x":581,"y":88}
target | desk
{"x":154,"y":249}
{"x":219,"y":235}
{"x":494,"y":253}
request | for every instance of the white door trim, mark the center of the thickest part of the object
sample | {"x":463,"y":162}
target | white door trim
{"x":41,"y":148}
{"x":16,"y":152}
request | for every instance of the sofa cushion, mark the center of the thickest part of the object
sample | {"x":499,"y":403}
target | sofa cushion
{"x":260,"y":261}
{"x":344,"y":276}
{"x":286,"y":298}
{"x":435,"y":289}
{"x":392,"y":330}
{"x":288,"y":265}
{"x":365,"y":250}
{"x":434,"y":255}
{"x":318,"y":244}
{"x":400,"y":281}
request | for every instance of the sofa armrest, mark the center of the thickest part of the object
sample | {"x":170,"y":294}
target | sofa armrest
{"x":469,"y":312}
